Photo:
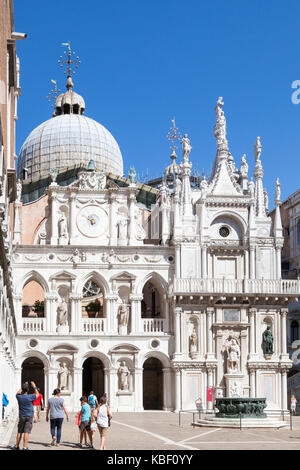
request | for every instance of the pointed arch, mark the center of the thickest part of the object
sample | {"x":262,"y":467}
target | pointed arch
{"x":32,"y":276}
{"x":95,"y":276}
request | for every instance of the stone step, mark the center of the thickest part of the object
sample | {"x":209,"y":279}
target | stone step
{"x":246,"y":423}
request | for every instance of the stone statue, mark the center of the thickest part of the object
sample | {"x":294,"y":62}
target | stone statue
{"x":132,"y":175}
{"x":257,"y":149}
{"x":277,"y":190}
{"x":123,"y":314}
{"x":186,"y":147}
{"x":268,"y":341}
{"x":233,"y":356}
{"x":19,"y":191}
{"x":62,"y":313}
{"x":124,"y":375}
{"x":251,"y":187}
{"x":220,"y":127}
{"x":63,"y":375}
{"x":193,"y":341}
{"x":53,"y":174}
{"x":62,"y":227}
{"x":204,"y":188}
{"x":244,"y":167}
{"x":122,"y":229}
{"x":266,"y":199}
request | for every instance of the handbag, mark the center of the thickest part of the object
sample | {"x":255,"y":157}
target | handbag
{"x":78,"y":418}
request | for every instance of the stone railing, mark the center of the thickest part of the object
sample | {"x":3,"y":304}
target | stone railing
{"x":154,"y":325}
{"x":94,"y":325}
{"x":33,"y":325}
{"x":236,"y":286}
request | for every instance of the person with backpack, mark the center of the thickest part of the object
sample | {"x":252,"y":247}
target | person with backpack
{"x":93,"y":402}
{"x":103,"y":421}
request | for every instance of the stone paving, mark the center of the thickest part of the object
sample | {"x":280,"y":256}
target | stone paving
{"x":160,"y":431}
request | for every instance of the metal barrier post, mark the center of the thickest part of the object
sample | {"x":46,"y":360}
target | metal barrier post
{"x":291,"y":420}
{"x":240,"y":421}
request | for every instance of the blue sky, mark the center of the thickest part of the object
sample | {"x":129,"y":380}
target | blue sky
{"x":147,"y":61}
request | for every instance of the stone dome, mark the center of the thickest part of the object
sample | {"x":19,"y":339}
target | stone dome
{"x":65,"y":141}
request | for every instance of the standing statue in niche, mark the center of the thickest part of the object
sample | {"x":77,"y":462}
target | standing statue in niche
{"x":19,"y":191}
{"x":122,"y":229}
{"x":233,"y":355}
{"x":123,"y":314}
{"x":268,"y":341}
{"x":63,"y":375}
{"x":124,"y":375}
{"x":63,"y":227}
{"x":62,"y":313}
{"x":193,"y":341}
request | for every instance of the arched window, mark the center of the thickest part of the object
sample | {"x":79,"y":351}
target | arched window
{"x":294,"y":330}
{"x":152,"y":304}
{"x":33,"y":300}
{"x":93,"y":300}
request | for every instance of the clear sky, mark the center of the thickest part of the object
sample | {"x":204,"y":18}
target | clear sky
{"x":145,"y":62}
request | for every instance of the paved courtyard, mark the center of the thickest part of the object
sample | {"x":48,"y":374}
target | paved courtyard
{"x":160,"y":431}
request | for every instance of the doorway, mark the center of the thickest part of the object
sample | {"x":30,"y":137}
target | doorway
{"x":152,"y":384}
{"x":33,"y":370}
{"x":93,"y":377}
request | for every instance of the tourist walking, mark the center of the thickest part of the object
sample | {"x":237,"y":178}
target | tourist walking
{"x":293,"y":404}
{"x":57,"y":409}
{"x":93,"y":402}
{"x":103,"y":421}
{"x":25,"y":401}
{"x":85,"y":424}
{"x":38,"y":404}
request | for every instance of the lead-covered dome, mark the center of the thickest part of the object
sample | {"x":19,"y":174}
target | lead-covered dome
{"x":67,"y":140}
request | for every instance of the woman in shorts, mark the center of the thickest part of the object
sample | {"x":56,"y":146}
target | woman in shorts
{"x":103,"y":421}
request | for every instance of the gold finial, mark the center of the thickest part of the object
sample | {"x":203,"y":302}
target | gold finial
{"x":173,"y":135}
{"x":69,"y":61}
{"x":52,"y":95}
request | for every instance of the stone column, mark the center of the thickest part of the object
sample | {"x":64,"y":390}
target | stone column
{"x":132,"y":200}
{"x":252,"y":262}
{"x":112,"y":220}
{"x":252,"y":384}
{"x":246,"y":264}
{"x":72,"y":218}
{"x":139,"y":389}
{"x":167,"y":387}
{"x":76,"y":326}
{"x":283,"y":389}
{"x":54,"y":221}
{"x":77,"y":385}
{"x":106,"y":381}
{"x":18,"y":298}
{"x":51,"y":314}
{"x":111,"y":313}
{"x":210,"y":353}
{"x":177,"y":262}
{"x":177,"y":390}
{"x":204,"y":262}
{"x":177,"y":313}
{"x":252,"y":313}
{"x":136,"y":313}
{"x":284,"y":355}
{"x":113,"y":388}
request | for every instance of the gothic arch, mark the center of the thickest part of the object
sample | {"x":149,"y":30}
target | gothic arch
{"x":159,"y":282}
{"x":98,"y":278}
{"x":32,"y":276}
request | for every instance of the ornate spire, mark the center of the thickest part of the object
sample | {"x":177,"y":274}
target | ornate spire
{"x":277,"y":220}
{"x":69,"y":102}
{"x":258,"y":175}
{"x":186,"y":198}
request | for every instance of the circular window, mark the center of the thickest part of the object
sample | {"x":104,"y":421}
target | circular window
{"x":136,"y":257}
{"x":94,"y":343}
{"x":170,"y":259}
{"x":51,"y":256}
{"x":33,"y":343}
{"x":155,"y":343}
{"x":224,"y":231}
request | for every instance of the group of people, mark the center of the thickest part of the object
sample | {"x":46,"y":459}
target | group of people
{"x":91,"y":416}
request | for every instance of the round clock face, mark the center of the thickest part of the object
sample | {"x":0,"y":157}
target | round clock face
{"x":92,"y":221}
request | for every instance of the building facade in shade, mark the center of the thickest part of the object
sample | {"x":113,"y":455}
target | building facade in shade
{"x":9,"y":94}
{"x":150,"y":295}
{"x":290,"y":214}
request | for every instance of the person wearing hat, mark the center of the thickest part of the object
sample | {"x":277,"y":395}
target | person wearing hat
{"x":57,"y":409}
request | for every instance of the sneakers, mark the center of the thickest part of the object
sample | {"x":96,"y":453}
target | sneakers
{"x":25,"y":448}
{"x":15,"y":448}
{"x":53,"y":440}
{"x":79,"y":445}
